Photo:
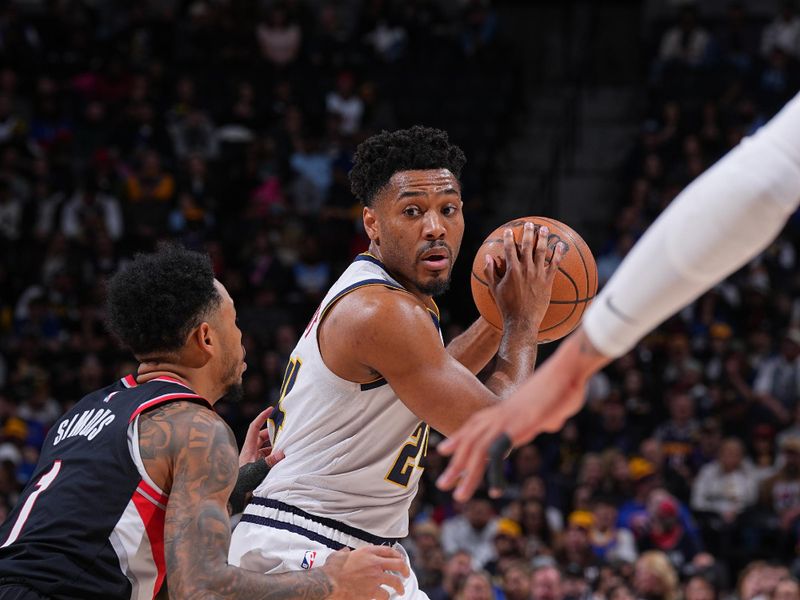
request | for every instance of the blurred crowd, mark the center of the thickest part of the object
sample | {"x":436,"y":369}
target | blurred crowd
{"x":229,"y":126}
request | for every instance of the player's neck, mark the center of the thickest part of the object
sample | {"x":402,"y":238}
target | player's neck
{"x":409,"y":286}
{"x":149,"y":370}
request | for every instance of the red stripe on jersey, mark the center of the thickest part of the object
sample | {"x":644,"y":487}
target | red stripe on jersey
{"x":129,"y":381}
{"x":161,"y":399}
{"x":169,"y":379}
{"x":153,"y":492}
{"x":153,"y":519}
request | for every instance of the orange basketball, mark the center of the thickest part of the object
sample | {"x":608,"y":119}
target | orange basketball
{"x":574,"y":286}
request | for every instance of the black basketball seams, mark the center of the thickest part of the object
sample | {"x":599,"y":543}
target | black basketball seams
{"x":580,"y":254}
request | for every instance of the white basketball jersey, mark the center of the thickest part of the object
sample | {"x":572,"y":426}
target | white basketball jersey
{"x":352,"y":449}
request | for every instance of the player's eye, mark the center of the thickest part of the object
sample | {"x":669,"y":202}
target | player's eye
{"x":412,"y":211}
{"x":449,"y":211}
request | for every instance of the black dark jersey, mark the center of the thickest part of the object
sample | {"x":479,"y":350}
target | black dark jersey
{"x":90,"y":523}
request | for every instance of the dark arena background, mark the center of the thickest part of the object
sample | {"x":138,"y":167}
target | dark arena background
{"x":229,"y":126}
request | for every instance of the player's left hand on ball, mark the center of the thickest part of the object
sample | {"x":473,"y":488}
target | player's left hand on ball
{"x":256,"y":443}
{"x":469,"y":449}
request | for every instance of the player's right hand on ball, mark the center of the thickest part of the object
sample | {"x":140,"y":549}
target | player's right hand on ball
{"x":361,"y":573}
{"x":522,"y":292}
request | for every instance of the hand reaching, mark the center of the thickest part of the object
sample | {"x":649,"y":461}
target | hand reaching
{"x":256,"y":442}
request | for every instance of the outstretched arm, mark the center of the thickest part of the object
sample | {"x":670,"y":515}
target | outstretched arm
{"x":720,"y":221}
{"x":201,"y":452}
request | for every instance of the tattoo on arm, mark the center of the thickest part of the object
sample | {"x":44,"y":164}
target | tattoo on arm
{"x":201,"y":450}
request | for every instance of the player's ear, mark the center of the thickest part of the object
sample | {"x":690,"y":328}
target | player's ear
{"x":200,"y":346}
{"x":371,"y":224}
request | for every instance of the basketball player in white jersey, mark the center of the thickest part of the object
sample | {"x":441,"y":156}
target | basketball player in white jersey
{"x":370,"y":373}
{"x":719,"y":222}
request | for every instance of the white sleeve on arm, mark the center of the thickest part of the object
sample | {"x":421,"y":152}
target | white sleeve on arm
{"x":724,"y":218}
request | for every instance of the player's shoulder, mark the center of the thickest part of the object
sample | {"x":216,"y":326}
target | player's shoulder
{"x":176,"y":425}
{"x":381,"y":307}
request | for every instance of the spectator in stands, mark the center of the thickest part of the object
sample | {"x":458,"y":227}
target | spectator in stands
{"x":345,"y":104}
{"x":782,"y":33}
{"x":195,"y":135}
{"x":613,"y":430}
{"x":546,"y":582}
{"x":633,"y":513}
{"x":679,"y":434}
{"x":478,"y":586}
{"x":150,"y":191}
{"x":708,"y":444}
{"x":385,"y":34}
{"x":685,"y":43}
{"x":738,"y":40}
{"x":654,"y":577}
{"x":765,"y":452}
{"x":456,"y":571}
{"x":509,"y":545}
{"x":792,"y":430}
{"x":609,"y":542}
{"x":781,"y":492}
{"x":536,"y":528}
{"x":674,"y":480}
{"x":726,"y":487}
{"x":533,"y":488}
{"x":574,"y":551}
{"x":777,"y":384}
{"x":472,"y":531}
{"x":722,"y":493}
{"x":666,"y":530}
{"x":90,"y":213}
{"x":279,"y":38}
{"x":517,"y":581}
{"x":479,"y":26}
{"x":314,"y":169}
{"x":699,"y":588}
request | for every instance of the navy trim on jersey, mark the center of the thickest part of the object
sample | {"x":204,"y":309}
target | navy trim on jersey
{"x":326,"y":522}
{"x":365,"y":387}
{"x":375,"y":261}
{"x":355,"y":286}
{"x":315,"y":537}
{"x":372,"y":259}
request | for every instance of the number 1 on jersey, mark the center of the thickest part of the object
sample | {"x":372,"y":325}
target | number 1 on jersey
{"x":43,"y":483}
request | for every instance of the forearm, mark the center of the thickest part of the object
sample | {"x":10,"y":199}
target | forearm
{"x":719,"y":222}
{"x":538,"y":406}
{"x":516,"y":359}
{"x":197,"y":567}
{"x":250,"y":477}
{"x":476,"y":346}
{"x":233,"y":583}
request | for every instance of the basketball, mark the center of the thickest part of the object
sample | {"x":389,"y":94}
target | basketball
{"x":574,"y":286}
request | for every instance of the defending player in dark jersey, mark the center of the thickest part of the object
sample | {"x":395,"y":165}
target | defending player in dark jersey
{"x":133,"y":481}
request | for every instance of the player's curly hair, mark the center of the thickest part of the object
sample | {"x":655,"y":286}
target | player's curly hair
{"x":157,"y":299}
{"x":384,"y":154}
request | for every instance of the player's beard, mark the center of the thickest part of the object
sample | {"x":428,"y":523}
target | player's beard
{"x":437,"y":287}
{"x":234,"y":391}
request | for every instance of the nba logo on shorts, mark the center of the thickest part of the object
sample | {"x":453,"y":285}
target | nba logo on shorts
{"x":308,"y":559}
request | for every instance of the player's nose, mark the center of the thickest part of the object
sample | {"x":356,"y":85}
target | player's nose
{"x":433,"y":226}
